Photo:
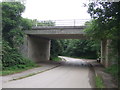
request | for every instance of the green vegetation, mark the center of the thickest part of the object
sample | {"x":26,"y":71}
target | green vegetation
{"x":81,"y":48}
{"x":13,"y":28}
{"x":113,"y":70}
{"x":56,"y":59}
{"x":36,"y":22}
{"x":99,"y":82}
{"x":105,"y":15}
{"x":75,"y":48}
{"x":17,"y":69}
{"x":12,"y":38}
{"x":56,"y":49}
{"x":105,"y":25}
{"x":46,"y":23}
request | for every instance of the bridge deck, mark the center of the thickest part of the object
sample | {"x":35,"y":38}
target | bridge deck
{"x":58,"y":32}
{"x":57,"y":27}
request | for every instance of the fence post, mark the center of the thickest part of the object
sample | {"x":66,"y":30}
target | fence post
{"x":74,"y":22}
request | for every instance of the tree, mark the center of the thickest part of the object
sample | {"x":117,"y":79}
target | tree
{"x":11,"y":19}
{"x":105,"y":15}
{"x":46,"y":23}
{"x":13,"y":26}
{"x":36,"y":22}
{"x":81,"y":48}
{"x":26,"y":24}
{"x":106,"y":25}
{"x":56,"y":48}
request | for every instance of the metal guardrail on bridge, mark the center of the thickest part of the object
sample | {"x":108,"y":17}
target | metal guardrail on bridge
{"x":70,"y":22}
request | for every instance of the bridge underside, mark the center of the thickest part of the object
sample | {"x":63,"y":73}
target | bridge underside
{"x":38,"y":46}
{"x":60,"y":36}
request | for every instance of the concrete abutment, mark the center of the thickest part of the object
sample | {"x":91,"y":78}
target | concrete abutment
{"x":38,"y":48}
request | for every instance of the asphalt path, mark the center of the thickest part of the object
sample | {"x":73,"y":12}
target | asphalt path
{"x":72,"y":73}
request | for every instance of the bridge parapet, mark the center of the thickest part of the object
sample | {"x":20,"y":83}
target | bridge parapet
{"x":57,"y":27}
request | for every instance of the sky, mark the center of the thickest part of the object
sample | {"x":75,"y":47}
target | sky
{"x":55,"y":9}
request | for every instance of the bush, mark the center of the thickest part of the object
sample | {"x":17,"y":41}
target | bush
{"x":11,"y":58}
{"x":113,"y":70}
{"x":55,"y":58}
{"x":99,"y":82}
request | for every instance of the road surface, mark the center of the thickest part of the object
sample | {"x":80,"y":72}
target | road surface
{"x":73,"y":73}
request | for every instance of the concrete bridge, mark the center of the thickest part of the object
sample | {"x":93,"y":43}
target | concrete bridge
{"x":37,"y":41}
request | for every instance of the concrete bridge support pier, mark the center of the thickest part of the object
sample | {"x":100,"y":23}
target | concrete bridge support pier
{"x":105,"y":52}
{"x":38,"y":48}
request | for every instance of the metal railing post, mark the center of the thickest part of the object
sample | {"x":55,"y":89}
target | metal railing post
{"x":74,"y":22}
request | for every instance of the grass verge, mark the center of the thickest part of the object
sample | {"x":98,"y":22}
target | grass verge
{"x":113,"y":70}
{"x":13,"y":70}
{"x":99,"y":82}
{"x":56,"y":59}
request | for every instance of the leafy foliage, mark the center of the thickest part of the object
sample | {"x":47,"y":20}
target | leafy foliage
{"x":81,"y":48}
{"x":46,"y":23}
{"x":36,"y":22}
{"x":75,"y":48}
{"x":56,"y":48}
{"x":11,"y":57}
{"x":26,"y":24}
{"x":13,"y":25}
{"x":11,"y":21}
{"x":99,"y":82}
{"x":106,"y":25}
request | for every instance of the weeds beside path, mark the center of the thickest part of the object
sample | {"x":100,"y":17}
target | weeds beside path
{"x":13,"y":70}
{"x":103,"y":79}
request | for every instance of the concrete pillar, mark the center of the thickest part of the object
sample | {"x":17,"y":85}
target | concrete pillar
{"x":38,"y":48}
{"x":105,"y":51}
{"x":108,"y":50}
